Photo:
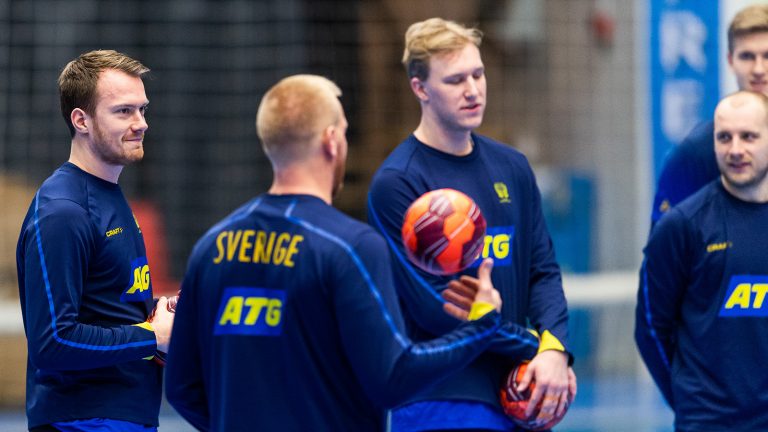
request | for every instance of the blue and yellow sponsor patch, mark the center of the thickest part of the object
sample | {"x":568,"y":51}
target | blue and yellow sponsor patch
{"x":250,"y":311}
{"x":497,"y":245}
{"x":745,"y":297}
{"x":140,"y":287}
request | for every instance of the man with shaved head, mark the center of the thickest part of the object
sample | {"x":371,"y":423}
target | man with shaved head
{"x":289,"y":320}
{"x":701,"y":313}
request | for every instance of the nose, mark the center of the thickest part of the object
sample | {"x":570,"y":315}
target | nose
{"x":140,"y":123}
{"x":471,"y":89}
{"x":736,"y":150}
{"x":759,"y":68}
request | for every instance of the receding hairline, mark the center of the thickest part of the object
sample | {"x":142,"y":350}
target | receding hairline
{"x":742,"y":98}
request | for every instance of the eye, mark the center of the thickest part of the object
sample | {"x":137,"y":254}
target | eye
{"x":478,"y":74}
{"x":143,"y":109}
{"x":723,"y":137}
{"x":746,"y":55}
{"x":749,"y":136}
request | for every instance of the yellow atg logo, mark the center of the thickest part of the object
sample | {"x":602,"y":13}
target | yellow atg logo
{"x":250,"y":311}
{"x":502,"y":192}
{"x":236,"y":305}
{"x":497,"y":244}
{"x":140,"y":286}
{"x":140,"y":279}
{"x":745,"y":296}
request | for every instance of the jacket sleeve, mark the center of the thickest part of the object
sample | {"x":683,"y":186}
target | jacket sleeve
{"x":58,"y":243}
{"x":664,"y":277}
{"x":184,"y":384}
{"x":389,"y":198}
{"x":547,"y":307}
{"x":388,"y":365}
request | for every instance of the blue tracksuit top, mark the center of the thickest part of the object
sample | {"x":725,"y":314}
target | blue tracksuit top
{"x":687,"y":168}
{"x":83,"y":283}
{"x":702,"y":317}
{"x":288,"y":321}
{"x":501,"y":182}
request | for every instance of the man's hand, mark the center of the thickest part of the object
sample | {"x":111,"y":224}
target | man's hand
{"x":162,"y":323}
{"x":555,"y":383}
{"x":461,"y":293}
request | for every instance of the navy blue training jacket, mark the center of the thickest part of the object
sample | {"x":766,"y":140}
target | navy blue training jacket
{"x":288,"y":321}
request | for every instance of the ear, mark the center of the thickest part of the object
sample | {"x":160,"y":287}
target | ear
{"x":730,"y":59}
{"x":418,"y":88}
{"x":329,"y":142}
{"x":80,"y":120}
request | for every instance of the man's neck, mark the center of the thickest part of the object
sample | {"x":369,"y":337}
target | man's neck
{"x":455,"y":143}
{"x":757,"y":194}
{"x":297,"y":181}
{"x":89,"y":163}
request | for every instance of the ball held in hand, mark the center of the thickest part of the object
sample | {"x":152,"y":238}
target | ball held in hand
{"x":514,"y":403}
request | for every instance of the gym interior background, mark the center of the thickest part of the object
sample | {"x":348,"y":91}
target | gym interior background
{"x":566,"y":85}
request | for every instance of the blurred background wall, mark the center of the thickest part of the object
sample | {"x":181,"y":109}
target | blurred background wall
{"x":561,"y":89}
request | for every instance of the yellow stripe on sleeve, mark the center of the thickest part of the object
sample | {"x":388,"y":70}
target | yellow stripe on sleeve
{"x":550,"y":342}
{"x":479,"y":309}
{"x":146,"y":326}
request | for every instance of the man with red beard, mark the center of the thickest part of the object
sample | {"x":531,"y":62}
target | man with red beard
{"x":84,"y":282}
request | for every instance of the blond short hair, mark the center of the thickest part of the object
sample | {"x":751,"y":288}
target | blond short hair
{"x":293,"y":113}
{"x":751,"y":19}
{"x":432,"y":37}
{"x":77,"y":81}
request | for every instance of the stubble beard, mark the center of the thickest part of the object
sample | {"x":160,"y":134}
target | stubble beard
{"x":114,"y":153}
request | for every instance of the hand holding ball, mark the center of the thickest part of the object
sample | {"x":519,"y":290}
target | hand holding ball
{"x":514,"y":403}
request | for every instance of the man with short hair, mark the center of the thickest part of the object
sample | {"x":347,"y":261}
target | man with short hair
{"x":701,"y":319}
{"x":84,"y":283}
{"x":289,"y":320}
{"x":447,"y":76}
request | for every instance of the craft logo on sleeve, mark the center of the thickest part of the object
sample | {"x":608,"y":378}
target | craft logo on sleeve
{"x":250,"y":311}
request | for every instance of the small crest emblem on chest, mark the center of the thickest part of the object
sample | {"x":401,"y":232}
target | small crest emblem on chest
{"x":502,"y":192}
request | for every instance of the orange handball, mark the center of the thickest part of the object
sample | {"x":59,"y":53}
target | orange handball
{"x":514,"y":403}
{"x":443,"y":232}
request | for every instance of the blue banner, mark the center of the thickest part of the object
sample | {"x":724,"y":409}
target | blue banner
{"x":684,"y":75}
